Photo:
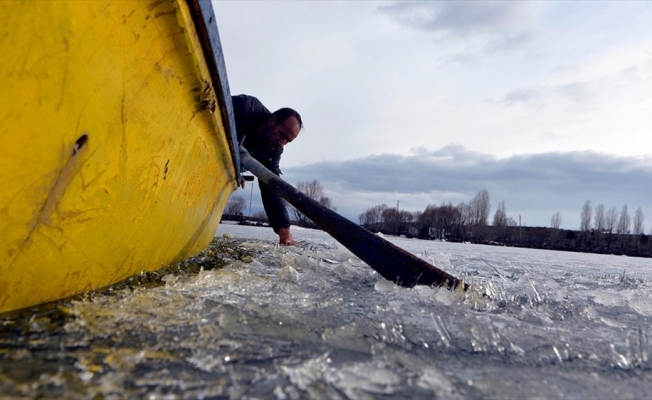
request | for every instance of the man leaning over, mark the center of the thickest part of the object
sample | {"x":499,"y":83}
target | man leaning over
{"x":265,"y":134}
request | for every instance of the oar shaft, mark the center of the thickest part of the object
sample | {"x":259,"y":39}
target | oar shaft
{"x":390,"y":261}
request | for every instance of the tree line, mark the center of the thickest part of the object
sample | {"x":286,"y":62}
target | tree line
{"x":601,"y":230}
{"x":606,"y":230}
{"x":445,"y":221}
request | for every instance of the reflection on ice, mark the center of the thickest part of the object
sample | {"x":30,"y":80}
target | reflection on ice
{"x":314,"y":321}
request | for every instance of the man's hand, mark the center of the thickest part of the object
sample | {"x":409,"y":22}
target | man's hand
{"x":285,"y":237}
{"x":242,"y":182}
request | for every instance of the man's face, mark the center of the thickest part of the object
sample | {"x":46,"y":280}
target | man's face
{"x":277,"y":136}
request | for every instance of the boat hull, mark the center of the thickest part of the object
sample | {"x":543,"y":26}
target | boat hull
{"x":115,"y":141}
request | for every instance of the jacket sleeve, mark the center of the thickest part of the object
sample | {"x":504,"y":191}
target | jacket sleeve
{"x":274,"y":206}
{"x":239,"y":114}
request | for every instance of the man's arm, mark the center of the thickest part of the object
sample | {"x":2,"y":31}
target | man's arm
{"x":274,"y":206}
{"x":277,"y":214}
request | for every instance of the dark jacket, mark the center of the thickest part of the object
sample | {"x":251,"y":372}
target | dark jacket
{"x":249,"y":114}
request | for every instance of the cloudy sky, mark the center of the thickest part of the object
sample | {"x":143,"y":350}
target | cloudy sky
{"x":546,"y":104}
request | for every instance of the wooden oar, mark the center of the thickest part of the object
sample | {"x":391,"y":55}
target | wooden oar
{"x":390,"y":261}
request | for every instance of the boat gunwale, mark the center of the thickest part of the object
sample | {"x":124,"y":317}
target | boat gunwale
{"x":203,"y":16}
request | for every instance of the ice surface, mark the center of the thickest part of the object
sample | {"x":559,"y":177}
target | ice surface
{"x":314,"y":321}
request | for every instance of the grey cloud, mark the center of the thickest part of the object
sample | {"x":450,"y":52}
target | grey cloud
{"x":533,"y":185}
{"x":521,"y":96}
{"x":454,"y":16}
{"x":509,"y":42}
{"x":487,"y":26}
{"x":576,"y":91}
{"x":573,"y":91}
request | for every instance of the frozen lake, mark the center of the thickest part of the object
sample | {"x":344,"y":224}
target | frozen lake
{"x":313,"y":321}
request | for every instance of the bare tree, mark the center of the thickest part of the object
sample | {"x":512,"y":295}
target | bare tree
{"x":639,"y":226}
{"x":464,"y":216}
{"x":599,"y":218}
{"x":624,"y":223}
{"x":448,"y":218}
{"x":480,"y":208}
{"x":585,"y":221}
{"x":429,"y":217}
{"x":314,"y":190}
{"x":416,"y":215}
{"x":373,"y":216}
{"x":611,"y":217}
{"x":392,"y":220}
{"x":599,"y":223}
{"x":327,"y":202}
{"x":465,"y":213}
{"x":585,"y":218}
{"x":405,"y":219}
{"x":260,"y":215}
{"x":500,"y":219}
{"x":445,"y":218}
{"x":236,"y":205}
{"x":639,"y":222}
{"x":555,"y":223}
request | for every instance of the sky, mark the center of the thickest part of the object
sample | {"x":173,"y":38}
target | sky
{"x":546,"y":104}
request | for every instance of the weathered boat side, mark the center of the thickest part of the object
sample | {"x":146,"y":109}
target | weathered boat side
{"x":204,"y":17}
{"x":117,"y":150}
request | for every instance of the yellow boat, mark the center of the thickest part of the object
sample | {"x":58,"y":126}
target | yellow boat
{"x":117,"y":142}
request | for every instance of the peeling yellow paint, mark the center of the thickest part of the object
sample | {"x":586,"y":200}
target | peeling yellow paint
{"x":149,"y":184}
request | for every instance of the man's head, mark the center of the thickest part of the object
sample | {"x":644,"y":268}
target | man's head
{"x":282,"y":127}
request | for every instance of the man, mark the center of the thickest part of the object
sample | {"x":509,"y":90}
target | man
{"x":265,"y":134}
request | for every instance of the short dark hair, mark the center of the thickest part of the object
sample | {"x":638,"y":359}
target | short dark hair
{"x":284,"y":113}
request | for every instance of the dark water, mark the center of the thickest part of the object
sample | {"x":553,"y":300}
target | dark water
{"x":313,"y":321}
